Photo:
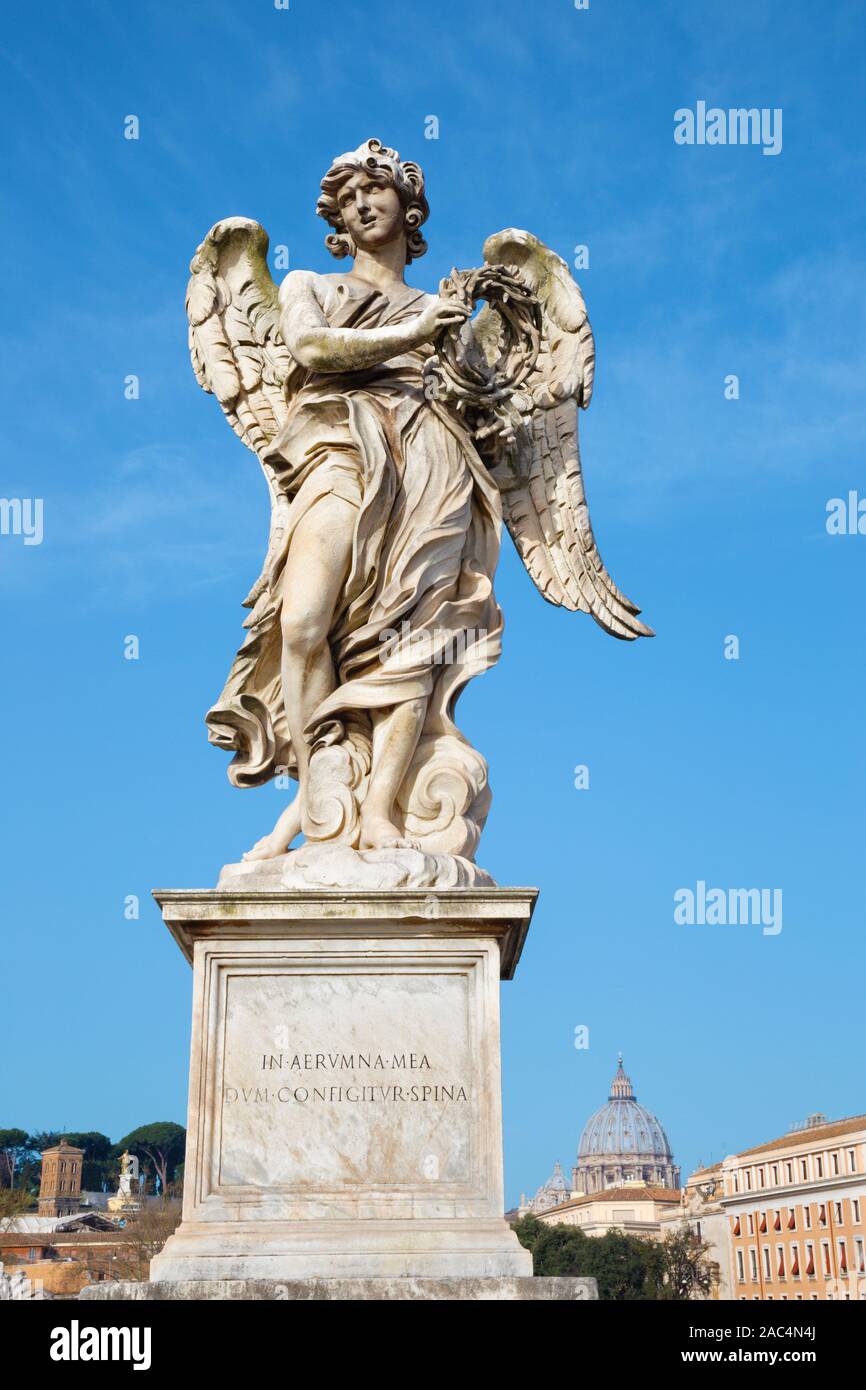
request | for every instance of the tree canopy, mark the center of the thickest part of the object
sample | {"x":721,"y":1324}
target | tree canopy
{"x":15,"y":1145}
{"x":626,"y":1267}
{"x":161,"y":1143}
{"x":95,"y":1145}
{"x":160,"y":1146}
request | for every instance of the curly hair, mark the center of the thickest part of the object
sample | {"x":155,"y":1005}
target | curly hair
{"x":384,"y":165}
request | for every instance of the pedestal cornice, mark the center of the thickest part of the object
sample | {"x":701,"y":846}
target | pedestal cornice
{"x":199,"y":914}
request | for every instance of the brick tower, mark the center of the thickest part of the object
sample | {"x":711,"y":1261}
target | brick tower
{"x":60,"y":1189}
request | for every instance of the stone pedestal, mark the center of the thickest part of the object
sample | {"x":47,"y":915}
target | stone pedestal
{"x":509,"y":1289}
{"x":345,"y":1095}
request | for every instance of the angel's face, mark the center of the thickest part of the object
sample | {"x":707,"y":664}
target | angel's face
{"x":371,"y":211}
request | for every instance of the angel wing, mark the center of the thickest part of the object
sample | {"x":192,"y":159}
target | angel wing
{"x":237,"y":352}
{"x":544,"y":501}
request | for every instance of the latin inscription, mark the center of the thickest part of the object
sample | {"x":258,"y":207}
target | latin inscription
{"x":349,"y":1082}
{"x":354,"y":1093}
{"x":262,"y":1095}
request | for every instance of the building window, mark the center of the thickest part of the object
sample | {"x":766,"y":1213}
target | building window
{"x":789,"y":1172}
{"x":775,"y":1175}
{"x":852,"y":1161}
{"x":736,"y":1181}
{"x":825,"y":1251}
{"x":792,"y":1219}
{"x":768,"y":1273}
{"x":753,"y":1264}
{"x":842,"y":1250}
{"x":810,"y":1260}
{"x":760,"y":1177}
{"x":795,"y":1262}
{"x":780,"y":1261}
{"x":777,"y":1220}
{"x":834,"y":1159}
{"x":804,"y":1169}
{"x":741,"y":1269}
{"x":855,"y":1207}
{"x":822,"y":1215}
{"x":748,"y":1179}
{"x":819,"y":1164}
{"x":751,"y":1223}
{"x":837,"y":1210}
{"x":859,"y":1258}
{"x":807,"y":1218}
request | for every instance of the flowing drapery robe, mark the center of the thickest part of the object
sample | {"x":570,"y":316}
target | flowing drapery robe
{"x":417,"y":616}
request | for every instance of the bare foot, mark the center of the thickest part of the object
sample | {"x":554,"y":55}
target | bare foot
{"x":286,"y":829}
{"x":268,"y":847}
{"x":377,"y":832}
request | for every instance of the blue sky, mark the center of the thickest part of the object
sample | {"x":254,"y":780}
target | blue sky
{"x":704,"y":261}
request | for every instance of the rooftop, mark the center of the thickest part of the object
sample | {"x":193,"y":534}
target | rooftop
{"x":635,"y":1192}
{"x":812,"y":1134}
{"x":713,"y":1170}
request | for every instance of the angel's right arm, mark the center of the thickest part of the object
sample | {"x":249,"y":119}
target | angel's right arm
{"x":317,"y":346}
{"x":320,"y":348}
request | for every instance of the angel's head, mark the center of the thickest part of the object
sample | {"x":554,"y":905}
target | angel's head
{"x":370,"y":196}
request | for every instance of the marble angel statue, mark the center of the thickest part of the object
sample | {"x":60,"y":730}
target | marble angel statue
{"x":395,"y":433}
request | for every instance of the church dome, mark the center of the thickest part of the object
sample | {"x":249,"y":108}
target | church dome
{"x":556,"y":1183}
{"x":623,"y":1129}
{"x":551,"y":1193}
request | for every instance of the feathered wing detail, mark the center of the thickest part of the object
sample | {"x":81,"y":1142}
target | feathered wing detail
{"x":539,"y":474}
{"x":237,"y":351}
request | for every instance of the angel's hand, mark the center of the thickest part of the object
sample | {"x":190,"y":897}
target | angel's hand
{"x":502,"y":425}
{"x":439,"y":316}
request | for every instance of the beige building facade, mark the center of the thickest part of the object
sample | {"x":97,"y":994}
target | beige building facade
{"x":700,"y":1209}
{"x":795,"y":1209}
{"x":635,"y":1208}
